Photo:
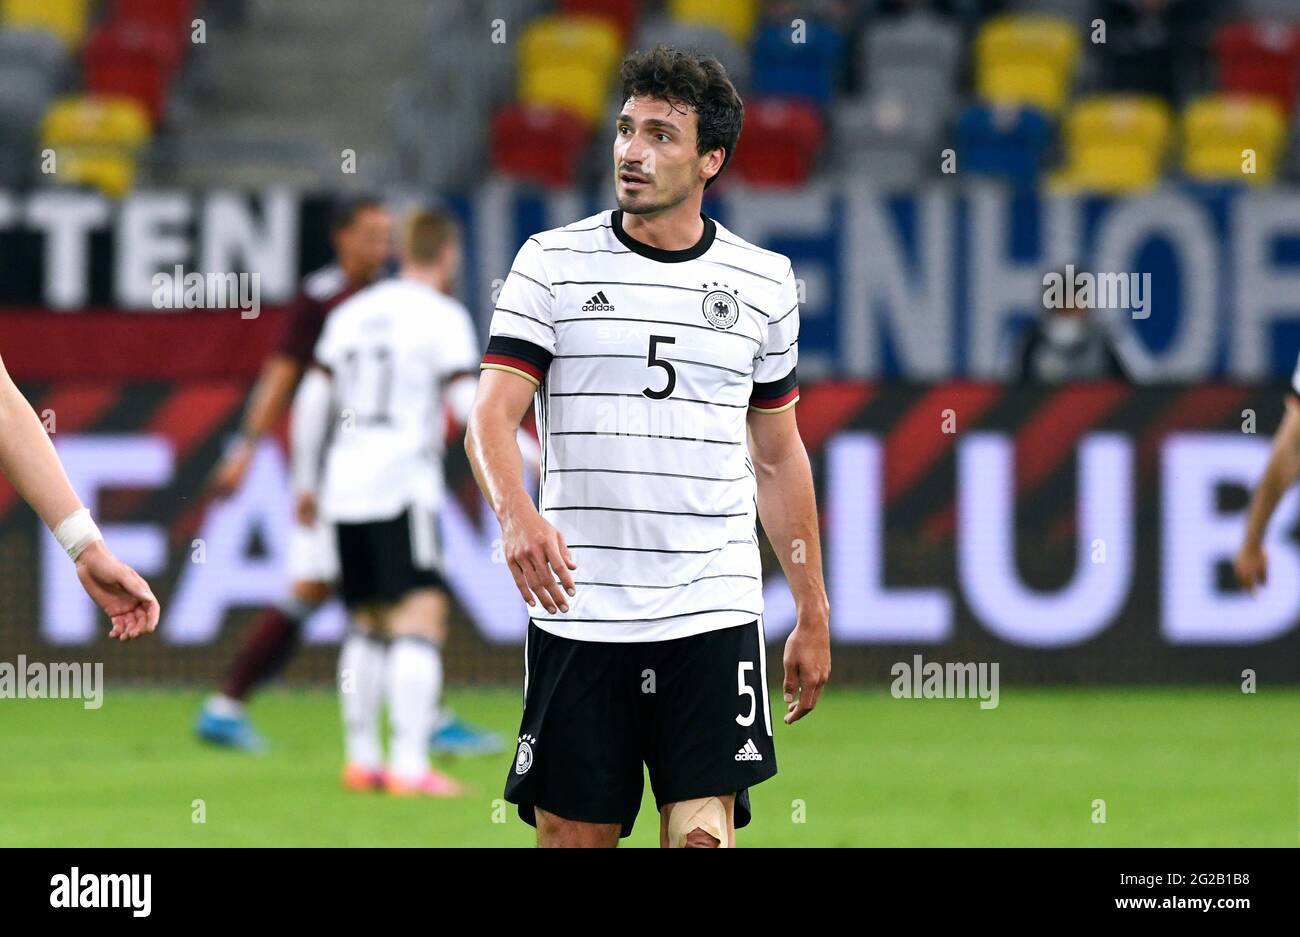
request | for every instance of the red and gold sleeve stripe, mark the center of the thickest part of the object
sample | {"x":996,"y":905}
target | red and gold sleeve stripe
{"x":775,"y":396}
{"x":517,"y":356}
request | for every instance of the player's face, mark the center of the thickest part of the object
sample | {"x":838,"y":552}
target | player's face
{"x":656,"y":165}
{"x":367,"y":243}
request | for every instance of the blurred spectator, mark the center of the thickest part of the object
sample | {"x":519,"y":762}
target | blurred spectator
{"x":1068,"y":343}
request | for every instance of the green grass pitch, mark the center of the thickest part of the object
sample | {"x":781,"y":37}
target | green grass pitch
{"x":1175,"y":767}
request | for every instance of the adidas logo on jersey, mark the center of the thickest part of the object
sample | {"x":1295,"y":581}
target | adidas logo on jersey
{"x":598,"y":303}
{"x":749,"y":752}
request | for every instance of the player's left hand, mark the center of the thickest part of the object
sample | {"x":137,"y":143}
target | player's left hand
{"x":807,"y":663}
{"x":119,"y":590}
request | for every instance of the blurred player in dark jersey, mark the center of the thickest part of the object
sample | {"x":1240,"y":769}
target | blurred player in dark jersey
{"x":362,"y":232}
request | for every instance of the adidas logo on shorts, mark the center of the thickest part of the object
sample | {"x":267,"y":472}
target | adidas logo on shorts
{"x":749,"y":752}
{"x":598,"y":303}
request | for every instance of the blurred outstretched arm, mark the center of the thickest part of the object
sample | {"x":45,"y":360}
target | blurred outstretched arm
{"x":1283,"y":469}
{"x":29,"y":461}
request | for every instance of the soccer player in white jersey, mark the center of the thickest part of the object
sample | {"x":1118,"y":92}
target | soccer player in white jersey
{"x":656,"y":342}
{"x":28,"y":459}
{"x":388,"y":362}
{"x":1251,"y":564}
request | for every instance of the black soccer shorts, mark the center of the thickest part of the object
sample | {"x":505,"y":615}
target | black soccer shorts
{"x":381,"y":561}
{"x":693,"y":710}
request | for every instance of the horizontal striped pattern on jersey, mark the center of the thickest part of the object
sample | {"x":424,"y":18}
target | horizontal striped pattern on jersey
{"x":647,"y":363}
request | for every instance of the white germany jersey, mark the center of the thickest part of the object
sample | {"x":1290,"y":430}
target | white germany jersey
{"x":389,"y":350}
{"x":647,"y":363}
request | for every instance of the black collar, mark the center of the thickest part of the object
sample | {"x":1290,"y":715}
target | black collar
{"x":658,"y":253}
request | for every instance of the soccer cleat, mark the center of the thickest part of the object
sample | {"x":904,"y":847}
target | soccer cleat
{"x":360,"y":778}
{"x":454,"y":737}
{"x":431,"y":784}
{"x":229,"y":732}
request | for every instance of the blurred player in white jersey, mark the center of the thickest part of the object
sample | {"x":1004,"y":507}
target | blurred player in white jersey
{"x":661,"y":349}
{"x":368,"y":444}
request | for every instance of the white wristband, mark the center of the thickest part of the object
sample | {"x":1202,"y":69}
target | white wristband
{"x":76,"y":532}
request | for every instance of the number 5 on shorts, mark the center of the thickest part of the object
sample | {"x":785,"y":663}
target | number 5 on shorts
{"x":744,"y":689}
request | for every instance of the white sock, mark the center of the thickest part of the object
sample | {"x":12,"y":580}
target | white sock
{"x":221,"y":705}
{"x":414,"y":685}
{"x":361,"y":693}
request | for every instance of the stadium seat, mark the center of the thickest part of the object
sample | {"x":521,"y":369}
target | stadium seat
{"x":66,"y":19}
{"x":807,"y":69}
{"x":515,"y":152}
{"x":131,"y":58}
{"x":1115,"y":144}
{"x":780,"y":142}
{"x":37,"y":51}
{"x":26,"y":96}
{"x":1003,"y":142}
{"x":1217,"y":129}
{"x":736,"y":18}
{"x":916,"y":57}
{"x":622,"y":13}
{"x":568,"y":61}
{"x":700,"y":36}
{"x":96,"y":140}
{"x":1026,"y":60}
{"x":886,"y":138}
{"x":174,"y":16}
{"x":1260,"y":58}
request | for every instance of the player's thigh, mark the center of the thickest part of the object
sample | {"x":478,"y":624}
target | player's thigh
{"x":554,"y":831}
{"x":707,"y":727}
{"x":692,"y":824}
{"x":421,"y":613}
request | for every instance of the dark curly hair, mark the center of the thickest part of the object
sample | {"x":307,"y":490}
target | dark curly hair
{"x":696,"y":81}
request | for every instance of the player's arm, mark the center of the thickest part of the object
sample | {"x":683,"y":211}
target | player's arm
{"x":29,"y":461}
{"x":266,"y":407}
{"x":1281,"y":473}
{"x":308,"y":430}
{"x":787,"y":507}
{"x":534,"y":549}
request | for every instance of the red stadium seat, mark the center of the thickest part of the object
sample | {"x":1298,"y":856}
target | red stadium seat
{"x":131,"y":58}
{"x":1260,"y":58}
{"x":779,"y":143}
{"x":622,"y":13}
{"x":540,"y":144}
{"x":173,"y":15}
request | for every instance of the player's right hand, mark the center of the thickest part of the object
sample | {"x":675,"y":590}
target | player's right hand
{"x":119,"y":590}
{"x":537,"y":555}
{"x":230,"y":471}
{"x":1251,"y":566}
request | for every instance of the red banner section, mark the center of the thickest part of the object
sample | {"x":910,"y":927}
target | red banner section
{"x":39,"y":345}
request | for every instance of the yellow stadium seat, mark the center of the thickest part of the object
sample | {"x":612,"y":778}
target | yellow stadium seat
{"x":1026,"y":60}
{"x":587,"y":41}
{"x":569,"y":61}
{"x":96,"y":140}
{"x":1218,"y":130}
{"x":113,"y":174}
{"x":66,"y":19}
{"x":736,"y":18}
{"x":1116,"y":143}
{"x":572,"y":87}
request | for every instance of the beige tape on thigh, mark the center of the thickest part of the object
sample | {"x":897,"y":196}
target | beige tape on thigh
{"x":707,"y":813}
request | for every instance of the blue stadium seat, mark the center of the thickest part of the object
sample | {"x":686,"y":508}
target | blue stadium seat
{"x":807,"y":69}
{"x":1003,"y":142}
